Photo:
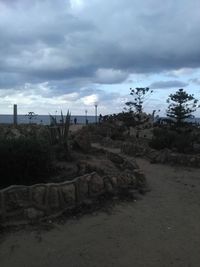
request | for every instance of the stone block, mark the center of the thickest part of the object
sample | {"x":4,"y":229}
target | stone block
{"x":16,"y":198}
{"x":54,"y":197}
{"x":115,"y":158}
{"x":82,"y":187}
{"x":32,"y":213}
{"x":39,"y":196}
{"x":96,"y":185}
{"x":124,"y":180}
{"x":108,"y":185}
{"x":69,"y":194}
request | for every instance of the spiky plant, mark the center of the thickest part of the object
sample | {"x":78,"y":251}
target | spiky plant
{"x":59,"y":132}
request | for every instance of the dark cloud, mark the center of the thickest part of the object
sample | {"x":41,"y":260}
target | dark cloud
{"x":167,"y":84}
{"x":62,"y":40}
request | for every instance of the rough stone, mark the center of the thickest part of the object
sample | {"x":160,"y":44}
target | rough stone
{"x":16,"y":198}
{"x":82,"y":187}
{"x":32,"y":213}
{"x":96,"y":184}
{"x":68,"y":192}
{"x":115,"y":158}
{"x":124,"y":180}
{"x":113,"y":180}
{"x":130,"y":165}
{"x":54,"y":197}
{"x":140,"y":177}
{"x":108,"y":185}
{"x":82,"y":142}
{"x":39,"y":195}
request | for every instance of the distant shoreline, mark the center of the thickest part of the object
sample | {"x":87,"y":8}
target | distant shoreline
{"x":43,"y":119}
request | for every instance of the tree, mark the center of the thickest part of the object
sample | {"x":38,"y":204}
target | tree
{"x":31,"y":116}
{"x":140,"y":96}
{"x":181,"y":106}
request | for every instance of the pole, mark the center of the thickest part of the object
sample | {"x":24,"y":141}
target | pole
{"x":15,"y":114}
{"x":95,"y":113}
{"x":86,"y":120}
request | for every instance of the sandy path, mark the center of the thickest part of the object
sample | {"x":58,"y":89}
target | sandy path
{"x":160,"y":230}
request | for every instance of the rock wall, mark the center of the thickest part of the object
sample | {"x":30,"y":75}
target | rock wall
{"x":167,"y":156}
{"x":42,"y":200}
{"x":160,"y":156}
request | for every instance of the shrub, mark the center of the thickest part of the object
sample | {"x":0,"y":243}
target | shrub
{"x":24,"y":161}
{"x":180,"y":140}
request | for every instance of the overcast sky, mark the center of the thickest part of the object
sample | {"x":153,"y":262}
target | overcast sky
{"x":69,"y":54}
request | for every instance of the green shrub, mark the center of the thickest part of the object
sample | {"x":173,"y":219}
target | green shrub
{"x":24,"y":161}
{"x":180,"y":140}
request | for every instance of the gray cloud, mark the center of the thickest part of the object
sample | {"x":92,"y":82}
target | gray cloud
{"x":51,"y":41}
{"x":167,"y":84}
{"x":195,"y":81}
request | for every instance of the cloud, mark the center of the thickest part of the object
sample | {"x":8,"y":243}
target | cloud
{"x":195,"y":81}
{"x":50,"y":41}
{"x":167,"y":84}
{"x":76,"y":45}
{"x":109,"y":76}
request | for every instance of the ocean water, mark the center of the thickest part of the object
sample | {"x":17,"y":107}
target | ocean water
{"x":43,"y":119}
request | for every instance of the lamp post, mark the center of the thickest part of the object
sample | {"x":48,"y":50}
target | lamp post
{"x":86,"y":120}
{"x":15,"y":114}
{"x":96,"y":105}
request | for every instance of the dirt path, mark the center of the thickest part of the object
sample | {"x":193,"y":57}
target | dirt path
{"x":160,"y":230}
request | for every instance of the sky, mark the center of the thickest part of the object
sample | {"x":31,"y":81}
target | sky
{"x":73,"y":54}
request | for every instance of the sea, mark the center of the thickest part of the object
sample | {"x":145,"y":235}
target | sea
{"x":44,"y":119}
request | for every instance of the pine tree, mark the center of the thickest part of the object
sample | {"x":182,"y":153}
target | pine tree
{"x":139,"y":95}
{"x":181,"y":106}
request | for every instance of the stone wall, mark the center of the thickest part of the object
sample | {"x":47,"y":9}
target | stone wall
{"x":43,"y":200}
{"x":168,"y":156}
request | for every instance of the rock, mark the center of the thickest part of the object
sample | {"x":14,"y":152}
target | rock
{"x":140,"y":178}
{"x":53,"y":197}
{"x":124,"y":180}
{"x":82,"y":142}
{"x":68,"y":192}
{"x":96,"y":184}
{"x":115,"y":158}
{"x":82,"y":187}
{"x":113,"y":180}
{"x":16,"y":198}
{"x":108,"y":185}
{"x":130,"y":165}
{"x":39,"y":195}
{"x":32,"y":213}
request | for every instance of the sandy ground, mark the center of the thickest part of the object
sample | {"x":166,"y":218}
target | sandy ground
{"x":162,"y":229}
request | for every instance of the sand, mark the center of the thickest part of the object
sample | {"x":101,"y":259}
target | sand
{"x":161,"y":229}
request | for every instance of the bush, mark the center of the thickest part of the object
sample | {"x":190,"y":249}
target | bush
{"x":180,"y":140}
{"x":24,"y":161}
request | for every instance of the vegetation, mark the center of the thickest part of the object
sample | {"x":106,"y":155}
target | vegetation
{"x":24,"y":161}
{"x":31,"y":116}
{"x":180,"y":141}
{"x":177,"y":133}
{"x":140,"y":95}
{"x":181,"y":106}
{"x":59,"y":132}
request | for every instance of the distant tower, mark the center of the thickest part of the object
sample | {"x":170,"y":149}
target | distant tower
{"x":15,"y":114}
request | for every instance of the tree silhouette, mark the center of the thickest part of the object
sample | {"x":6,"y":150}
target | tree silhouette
{"x":181,"y":106}
{"x":140,"y":95}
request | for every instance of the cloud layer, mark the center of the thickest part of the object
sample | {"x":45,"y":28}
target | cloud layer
{"x":75,"y":44}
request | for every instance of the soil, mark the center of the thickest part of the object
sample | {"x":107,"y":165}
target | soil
{"x":161,"y":229}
